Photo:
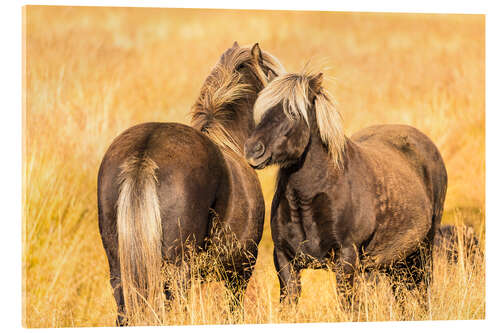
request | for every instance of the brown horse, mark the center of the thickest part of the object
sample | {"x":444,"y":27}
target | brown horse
{"x":160,"y":185}
{"x":374,"y":199}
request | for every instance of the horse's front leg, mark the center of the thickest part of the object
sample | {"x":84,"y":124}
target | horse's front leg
{"x":289,"y":278}
{"x":345,"y":262}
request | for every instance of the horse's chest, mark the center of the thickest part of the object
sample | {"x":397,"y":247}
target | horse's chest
{"x":307,"y":228}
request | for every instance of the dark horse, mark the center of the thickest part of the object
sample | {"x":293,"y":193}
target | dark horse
{"x":161,"y":184}
{"x":451,"y":238}
{"x":375,"y":199}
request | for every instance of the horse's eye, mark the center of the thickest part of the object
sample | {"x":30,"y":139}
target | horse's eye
{"x":240,"y":67}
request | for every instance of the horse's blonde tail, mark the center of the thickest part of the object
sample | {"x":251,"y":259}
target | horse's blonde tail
{"x":139,"y":238}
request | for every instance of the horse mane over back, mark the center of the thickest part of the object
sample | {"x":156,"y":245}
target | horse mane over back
{"x":294,"y":92}
{"x":215,"y":109}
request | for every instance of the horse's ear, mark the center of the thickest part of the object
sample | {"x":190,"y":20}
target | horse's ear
{"x":270,"y":75}
{"x":256,"y":53}
{"x":259,"y":63}
{"x":235,"y":45}
{"x":316,"y":82}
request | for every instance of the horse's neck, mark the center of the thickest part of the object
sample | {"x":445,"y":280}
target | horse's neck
{"x":239,"y":129}
{"x":316,"y":171}
{"x":238,"y":133}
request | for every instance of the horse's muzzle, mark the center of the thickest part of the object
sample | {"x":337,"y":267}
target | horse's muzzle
{"x":255,"y":154}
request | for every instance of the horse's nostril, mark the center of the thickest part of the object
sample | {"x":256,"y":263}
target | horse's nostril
{"x":258,"y":150}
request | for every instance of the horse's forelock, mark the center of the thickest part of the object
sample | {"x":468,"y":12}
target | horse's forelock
{"x":293,"y":92}
{"x":288,"y":89}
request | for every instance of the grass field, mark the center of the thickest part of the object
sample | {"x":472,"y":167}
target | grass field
{"x":91,"y":73}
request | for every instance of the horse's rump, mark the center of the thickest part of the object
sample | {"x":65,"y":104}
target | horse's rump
{"x":157,"y":183}
{"x":190,"y":171}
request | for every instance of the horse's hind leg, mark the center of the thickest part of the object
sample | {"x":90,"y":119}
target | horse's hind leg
{"x":414,"y":272}
{"x":115,"y":281}
{"x":109,"y":237}
{"x":236,"y":283}
{"x":178,"y":285}
{"x":237,"y":272}
{"x":177,"y":273}
{"x":111,"y":248}
{"x":185,"y":226}
{"x":426,"y":269}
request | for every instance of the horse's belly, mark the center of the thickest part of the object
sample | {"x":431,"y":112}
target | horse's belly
{"x":403,"y":211}
{"x":397,"y":236}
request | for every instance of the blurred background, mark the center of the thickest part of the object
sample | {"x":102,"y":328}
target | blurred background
{"x":91,"y":73}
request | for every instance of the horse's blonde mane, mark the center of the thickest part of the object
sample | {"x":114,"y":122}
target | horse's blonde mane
{"x":294,"y":92}
{"x":214,"y":109}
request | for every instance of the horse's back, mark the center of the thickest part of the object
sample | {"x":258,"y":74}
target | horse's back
{"x":416,"y":149}
{"x":188,"y":169}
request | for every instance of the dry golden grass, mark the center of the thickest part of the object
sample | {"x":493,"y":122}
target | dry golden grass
{"x":91,"y":73}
